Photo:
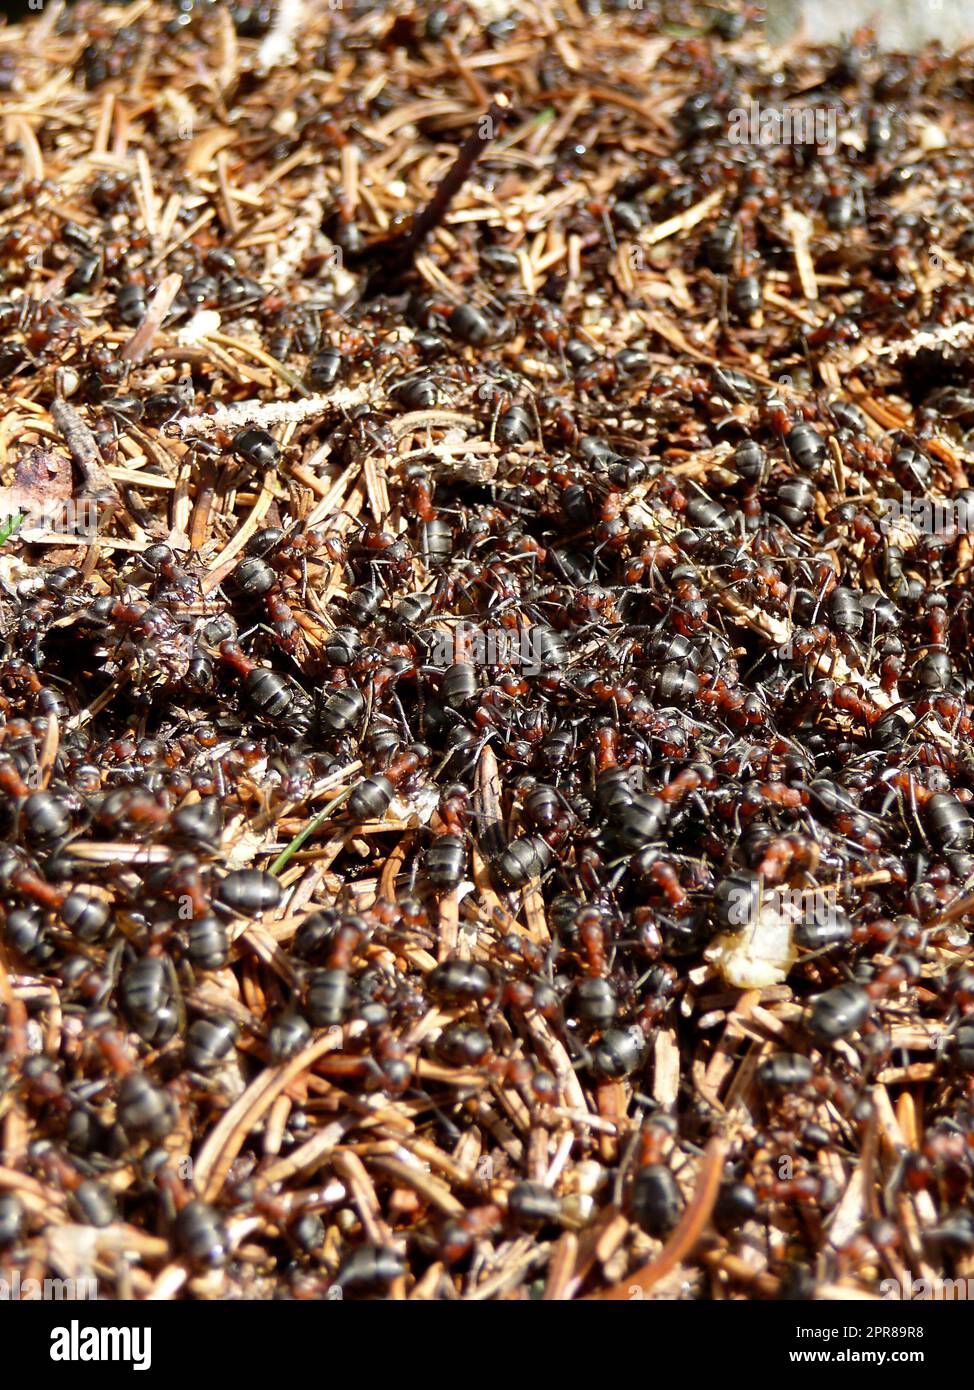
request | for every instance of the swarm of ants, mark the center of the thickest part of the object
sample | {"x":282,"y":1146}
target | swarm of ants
{"x":486,"y":802}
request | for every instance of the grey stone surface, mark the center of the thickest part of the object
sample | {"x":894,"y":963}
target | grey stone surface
{"x":900,"y":24}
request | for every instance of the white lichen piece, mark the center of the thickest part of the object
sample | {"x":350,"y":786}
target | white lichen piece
{"x":763,"y":952}
{"x":421,"y":803}
{"x":204,"y":322}
{"x":266,"y":414}
{"x":277,"y":47}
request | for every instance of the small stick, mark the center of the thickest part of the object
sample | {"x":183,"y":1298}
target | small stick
{"x":205,"y":492}
{"x":399,"y":252}
{"x":141,"y":340}
{"x":685,"y":1235}
{"x":33,"y":159}
{"x":684,"y":221}
{"x":48,"y":753}
{"x":799,"y":228}
{"x":226,"y":195}
{"x":83,"y":448}
{"x":560,"y":1268}
{"x":225,"y":1141}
